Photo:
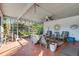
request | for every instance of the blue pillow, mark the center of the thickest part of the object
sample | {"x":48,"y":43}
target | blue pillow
{"x":71,"y":39}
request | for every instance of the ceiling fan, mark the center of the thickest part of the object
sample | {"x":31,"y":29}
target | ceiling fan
{"x":47,"y":18}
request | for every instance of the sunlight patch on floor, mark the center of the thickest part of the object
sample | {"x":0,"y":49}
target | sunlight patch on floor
{"x":12,"y":47}
{"x":41,"y":53}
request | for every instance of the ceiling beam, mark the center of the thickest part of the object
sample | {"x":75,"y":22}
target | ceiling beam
{"x":25,"y":10}
{"x":1,"y":13}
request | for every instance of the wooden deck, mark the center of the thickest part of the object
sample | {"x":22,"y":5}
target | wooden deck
{"x":26,"y":48}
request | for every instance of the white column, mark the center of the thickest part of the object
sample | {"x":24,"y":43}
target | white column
{"x":17,"y":31}
{"x":1,"y":27}
{"x":12,"y":27}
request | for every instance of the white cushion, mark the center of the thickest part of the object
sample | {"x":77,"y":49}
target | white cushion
{"x":43,"y":41}
{"x":34,"y":38}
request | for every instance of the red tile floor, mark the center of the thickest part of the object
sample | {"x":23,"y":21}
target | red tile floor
{"x":25,"y":47}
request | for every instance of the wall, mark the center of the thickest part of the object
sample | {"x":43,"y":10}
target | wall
{"x":65,"y":24}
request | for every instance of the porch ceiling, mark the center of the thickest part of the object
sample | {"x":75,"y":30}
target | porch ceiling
{"x":57,"y":10}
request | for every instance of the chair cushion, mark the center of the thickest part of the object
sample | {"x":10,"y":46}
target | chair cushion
{"x":71,"y":39}
{"x":34,"y":38}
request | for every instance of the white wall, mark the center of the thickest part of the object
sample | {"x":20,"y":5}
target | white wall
{"x":65,"y":24}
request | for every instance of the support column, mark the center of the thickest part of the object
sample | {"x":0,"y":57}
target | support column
{"x":17,"y":38}
{"x":11,"y":28}
{"x":1,"y":27}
